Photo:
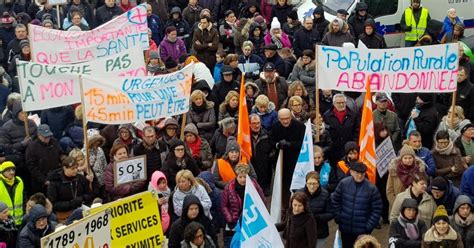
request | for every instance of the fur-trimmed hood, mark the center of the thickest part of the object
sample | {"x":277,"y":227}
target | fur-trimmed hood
{"x":309,"y":67}
{"x":429,"y":235}
{"x":392,"y":166}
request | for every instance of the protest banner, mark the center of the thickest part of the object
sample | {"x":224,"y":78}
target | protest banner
{"x":45,"y":86}
{"x":91,"y":231}
{"x":135,"y":221}
{"x":132,"y":99}
{"x":130,"y":170}
{"x":305,"y":162}
{"x":257,"y":228}
{"x":385,"y":154}
{"x":51,"y":46}
{"x":275,"y":208}
{"x":410,"y":69}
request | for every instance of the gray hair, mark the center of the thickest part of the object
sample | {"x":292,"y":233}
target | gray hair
{"x":254,"y":116}
{"x":338,"y":95}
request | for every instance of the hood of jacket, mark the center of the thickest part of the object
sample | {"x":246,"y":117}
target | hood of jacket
{"x":392,"y":166}
{"x":361,"y":6}
{"x":429,"y":235}
{"x":256,"y":91}
{"x":208,"y":177}
{"x":175,"y":10}
{"x":371,"y":22}
{"x":187,"y":202}
{"x":309,"y":67}
{"x":16,"y":109}
{"x":461,"y":200}
{"x":36,"y":212}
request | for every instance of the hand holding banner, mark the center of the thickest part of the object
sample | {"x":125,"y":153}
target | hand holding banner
{"x":130,"y":170}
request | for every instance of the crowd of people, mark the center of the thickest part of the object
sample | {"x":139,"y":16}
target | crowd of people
{"x":48,"y":177}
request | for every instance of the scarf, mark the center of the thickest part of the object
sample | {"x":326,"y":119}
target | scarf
{"x":405,"y":173}
{"x":239,"y":189}
{"x":199,"y":109}
{"x":7,"y":181}
{"x":447,"y":121}
{"x":196,"y":147}
{"x":464,"y":222}
{"x":301,"y":116}
{"x":340,"y":115}
{"x":272,"y":92}
{"x":277,"y":42}
{"x":445,"y":151}
{"x":410,"y":226}
{"x":230,"y":110}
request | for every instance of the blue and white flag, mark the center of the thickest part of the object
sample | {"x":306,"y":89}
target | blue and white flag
{"x":305,"y":161}
{"x":275,"y":207}
{"x":257,"y":229}
{"x":337,"y":240}
{"x":410,"y":127}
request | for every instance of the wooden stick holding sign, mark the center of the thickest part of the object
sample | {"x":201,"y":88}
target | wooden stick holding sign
{"x":453,"y":107}
{"x":22,"y":91}
{"x":130,"y":170}
{"x":84,"y":123}
{"x":316,"y":99}
{"x":183,"y":125}
{"x":57,"y":3}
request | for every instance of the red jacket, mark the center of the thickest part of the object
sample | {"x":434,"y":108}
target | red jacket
{"x":232,"y":204}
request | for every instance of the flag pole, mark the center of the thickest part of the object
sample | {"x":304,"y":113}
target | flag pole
{"x":453,"y":106}
{"x":316,"y":99}
{"x":183,"y":124}
{"x":25,"y":123}
{"x":84,"y":123}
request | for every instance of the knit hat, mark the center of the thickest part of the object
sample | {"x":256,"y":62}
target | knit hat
{"x":24,"y":43}
{"x":232,"y":145}
{"x":259,"y":19}
{"x":154,"y":55}
{"x":440,"y":214}
{"x":3,"y":206}
{"x":7,"y":18}
{"x":340,"y":22}
{"x":171,"y":121}
{"x":293,"y":15}
{"x":466,"y":127}
{"x":406,"y":150}
{"x":6,"y":165}
{"x":93,"y":135}
{"x":351,"y":145}
{"x":46,"y":21}
{"x":439,"y":183}
{"x":191,"y":128}
{"x":275,"y":24}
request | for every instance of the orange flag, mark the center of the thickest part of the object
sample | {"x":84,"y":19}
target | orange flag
{"x":243,"y":133}
{"x":366,"y":137}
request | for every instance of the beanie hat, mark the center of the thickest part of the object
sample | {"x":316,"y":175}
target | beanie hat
{"x":191,"y":128}
{"x":154,"y":55}
{"x":439,"y":183}
{"x":406,"y":150}
{"x":259,"y":19}
{"x":24,"y":43}
{"x":46,"y":21}
{"x":465,"y":127}
{"x":340,"y":22}
{"x":351,"y":145}
{"x":3,"y":206}
{"x":293,"y":15}
{"x":232,"y":145}
{"x":440,"y":214}
{"x":275,"y":24}
{"x":6,"y":165}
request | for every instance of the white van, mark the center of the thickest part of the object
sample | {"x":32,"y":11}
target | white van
{"x":387,"y":13}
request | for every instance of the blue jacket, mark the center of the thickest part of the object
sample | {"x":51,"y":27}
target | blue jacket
{"x":427,"y":157}
{"x":449,"y":197}
{"x":156,"y":27}
{"x":324,"y":174}
{"x":357,"y":206}
{"x":268,"y":118}
{"x":58,"y":119}
{"x":467,"y":183}
{"x":217,"y":72}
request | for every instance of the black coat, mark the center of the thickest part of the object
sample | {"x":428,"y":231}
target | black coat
{"x":341,"y":133}
{"x":426,"y":123}
{"x":465,"y":98}
{"x":261,"y":158}
{"x":281,"y":88}
{"x":153,"y":157}
{"x":399,"y":238}
{"x":58,"y":119}
{"x":171,"y":168}
{"x":105,"y":14}
{"x":219,"y":92}
{"x":299,"y":230}
{"x":68,"y":193}
{"x":218,"y":143}
{"x":404,"y":104}
{"x":41,"y":159}
{"x":357,"y":23}
{"x":373,"y":41}
{"x":321,"y":208}
{"x":281,"y":12}
{"x":305,"y":39}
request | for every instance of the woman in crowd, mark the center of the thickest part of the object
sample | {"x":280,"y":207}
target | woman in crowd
{"x":8,"y":228}
{"x":249,"y":62}
{"x":195,"y":236}
{"x":408,"y":229}
{"x":119,"y":152}
{"x":201,"y":113}
{"x":299,"y":228}
{"x":251,"y":93}
{"x":84,"y":169}
{"x":227,"y":29}
{"x":453,"y":123}
{"x":441,"y":234}
{"x":304,"y":71}
{"x":178,"y":159}
{"x":319,"y":205}
{"x":327,"y":179}
{"x":37,"y":227}
{"x":266,"y":110}
{"x":77,"y":21}
{"x":198,"y":146}
{"x":230,"y":107}
{"x":277,"y":36}
{"x":126,"y":135}
{"x":463,"y":220}
{"x":97,"y":160}
{"x":256,"y":37}
{"x":448,"y":159}
{"x":159,"y":184}
{"x":381,"y":133}
{"x":233,"y":200}
{"x":297,"y":111}
{"x":187,"y":185}
{"x":297,"y":88}
{"x":401,"y":172}
{"x":232,"y":60}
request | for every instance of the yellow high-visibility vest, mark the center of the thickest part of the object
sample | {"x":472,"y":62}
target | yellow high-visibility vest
{"x":15,"y":208}
{"x":417,"y":29}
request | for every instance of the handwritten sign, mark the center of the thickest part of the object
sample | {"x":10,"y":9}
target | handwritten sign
{"x":385,"y":153}
{"x":414,"y":69}
{"x":47,"y":86}
{"x":57,"y":2}
{"x":132,"y":99}
{"x":92,"y":231}
{"x":51,"y":46}
{"x":130,"y":170}
{"x":135,"y":221}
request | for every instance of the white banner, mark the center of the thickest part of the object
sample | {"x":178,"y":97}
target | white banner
{"x":257,"y":228}
{"x":305,"y":161}
{"x":132,"y":99}
{"x":275,"y":208}
{"x":91,"y":231}
{"x":51,"y":46}
{"x":46,"y":86}
{"x":385,"y":154}
{"x":413,"y":69}
{"x":130,"y":170}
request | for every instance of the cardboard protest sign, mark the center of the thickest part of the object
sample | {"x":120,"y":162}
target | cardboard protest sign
{"x":130,"y":170}
{"x":135,"y":221}
{"x":132,"y":99}
{"x":412,"y":69}
{"x":385,"y":154}
{"x":51,"y":46}
{"x":92,"y":231}
{"x":45,"y":86}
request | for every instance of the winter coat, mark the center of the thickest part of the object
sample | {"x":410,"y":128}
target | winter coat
{"x":281,"y":12}
{"x":205,"y":121}
{"x":120,"y":191}
{"x":357,"y":21}
{"x":465,"y":230}
{"x":208,"y":243}
{"x":454,"y":133}
{"x":198,"y":191}
{"x":41,"y":159}
{"x":156,"y":26}
{"x":153,"y":157}
{"x":426,"y":207}
{"x":232,"y":204}
{"x":8,"y":232}
{"x":216,"y":195}
{"x":172,"y":50}
{"x":426,"y":123}
{"x":305,"y":39}
{"x":390,"y":120}
{"x":219,"y":92}
{"x":445,"y":162}
{"x":427,"y":157}
{"x":299,"y":230}
{"x":57,"y":119}
{"x":105,"y":14}
{"x":467,"y":183}
{"x":191,"y":14}
{"x":290,"y":29}
{"x":321,"y":209}
{"x":449,"y":197}
{"x":29,"y":236}
{"x":282,"y":67}
{"x":451,"y":240}
{"x":394,"y":184}
{"x":258,"y":42}
{"x":268,"y":118}
{"x":337,"y":39}
{"x":262,"y":158}
{"x":305,"y":74}
{"x":357,"y":206}
{"x":465,"y":98}
{"x":398,"y":237}
{"x":84,"y":7}
{"x":285,"y":40}
{"x":372,"y":41}
{"x":281,"y":88}
{"x":171,"y":168}
{"x":341,"y":133}
{"x":68,"y":193}
{"x":251,"y":66}
{"x":176,"y":234}
{"x":218,"y":143}
{"x":320,"y":23}
{"x":224,"y":112}
{"x":182,"y":27}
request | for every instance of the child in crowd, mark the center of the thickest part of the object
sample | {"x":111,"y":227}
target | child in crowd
{"x":159,"y":183}
{"x":220,"y":56}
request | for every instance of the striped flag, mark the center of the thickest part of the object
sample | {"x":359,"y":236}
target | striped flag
{"x":366,"y":137}
{"x":243,"y":134}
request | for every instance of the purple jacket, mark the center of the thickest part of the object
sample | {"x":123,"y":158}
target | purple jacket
{"x":172,"y":49}
{"x":232,"y":204}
